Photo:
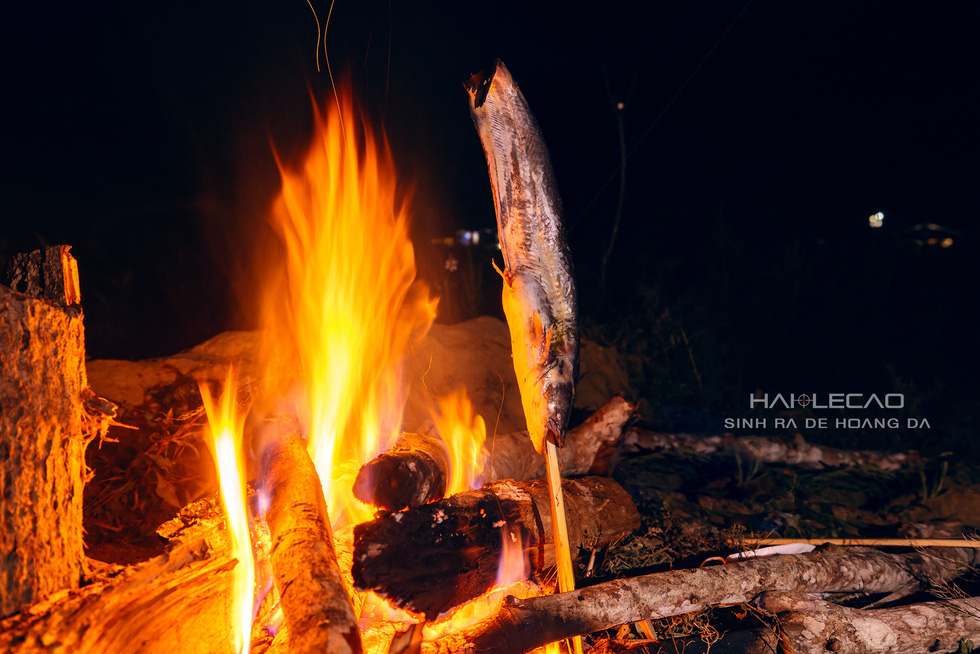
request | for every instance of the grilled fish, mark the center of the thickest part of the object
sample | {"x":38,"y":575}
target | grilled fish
{"x":539,"y":296}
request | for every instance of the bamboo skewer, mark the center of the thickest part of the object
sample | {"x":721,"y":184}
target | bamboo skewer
{"x":868,"y":542}
{"x":563,"y":554}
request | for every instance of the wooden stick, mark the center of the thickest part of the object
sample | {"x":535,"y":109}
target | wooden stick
{"x":312,"y":594}
{"x":563,"y":554}
{"x":868,"y":542}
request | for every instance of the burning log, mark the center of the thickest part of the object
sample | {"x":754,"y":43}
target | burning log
{"x":313,"y":597}
{"x":442,"y":554}
{"x":522,"y":625}
{"x":413,"y":472}
{"x":162,"y":605}
{"x":770,"y":450}
{"x":42,"y":426}
{"x":416,"y":469}
{"x":813,"y":626}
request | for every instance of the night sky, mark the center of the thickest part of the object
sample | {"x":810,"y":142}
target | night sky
{"x":761,"y":136}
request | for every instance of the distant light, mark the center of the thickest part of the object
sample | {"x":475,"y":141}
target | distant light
{"x":876,"y":220}
{"x":947,"y":242}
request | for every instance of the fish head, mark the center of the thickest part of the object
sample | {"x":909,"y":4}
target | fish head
{"x":551,"y":397}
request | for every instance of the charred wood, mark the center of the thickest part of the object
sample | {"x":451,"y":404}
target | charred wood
{"x":442,"y":554}
{"x":413,"y":472}
{"x":522,"y":625}
{"x":314,"y":600}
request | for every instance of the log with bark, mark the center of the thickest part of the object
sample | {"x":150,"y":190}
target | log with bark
{"x":416,"y":469}
{"x":314,"y":600}
{"x":177,"y":602}
{"x":812,"y":626}
{"x":769,"y":450}
{"x":442,"y":554}
{"x":42,"y":428}
{"x":523,"y":625}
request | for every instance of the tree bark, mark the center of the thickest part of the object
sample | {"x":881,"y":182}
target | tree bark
{"x":770,"y":450}
{"x":177,"y":602}
{"x":42,"y":425}
{"x":416,"y":470}
{"x":314,"y":600}
{"x":445,"y":553}
{"x":523,"y":625}
{"x":813,"y":626}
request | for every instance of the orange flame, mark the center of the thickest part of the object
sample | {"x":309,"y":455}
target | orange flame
{"x":464,"y":433}
{"x":226,"y":425}
{"x":346,"y":308}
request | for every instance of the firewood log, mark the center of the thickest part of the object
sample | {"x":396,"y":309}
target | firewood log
{"x":522,"y":625}
{"x":813,"y":626}
{"x":770,"y":450}
{"x":416,"y":469}
{"x":177,"y":602}
{"x":314,"y":600}
{"x":442,"y":554}
{"x":42,"y":429}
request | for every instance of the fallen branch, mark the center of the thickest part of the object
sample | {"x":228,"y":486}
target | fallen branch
{"x":416,"y":469}
{"x":813,"y":626}
{"x":769,"y":450}
{"x":522,"y":625}
{"x":442,"y":554}
{"x":314,"y":600}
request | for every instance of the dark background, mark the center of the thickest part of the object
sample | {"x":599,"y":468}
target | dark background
{"x":761,"y":136}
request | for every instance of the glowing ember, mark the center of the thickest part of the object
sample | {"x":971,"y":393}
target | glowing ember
{"x":463,"y":432}
{"x":341,"y":316}
{"x":511,"y":576}
{"x":226,"y":433}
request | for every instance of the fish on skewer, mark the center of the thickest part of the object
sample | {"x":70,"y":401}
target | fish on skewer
{"x":539,"y":296}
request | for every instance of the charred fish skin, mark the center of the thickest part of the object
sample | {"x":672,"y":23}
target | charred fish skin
{"x":539,"y":295}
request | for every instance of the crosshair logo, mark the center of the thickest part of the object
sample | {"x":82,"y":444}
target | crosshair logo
{"x":803,"y":401}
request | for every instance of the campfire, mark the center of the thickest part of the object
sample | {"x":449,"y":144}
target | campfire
{"x":366,"y":495}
